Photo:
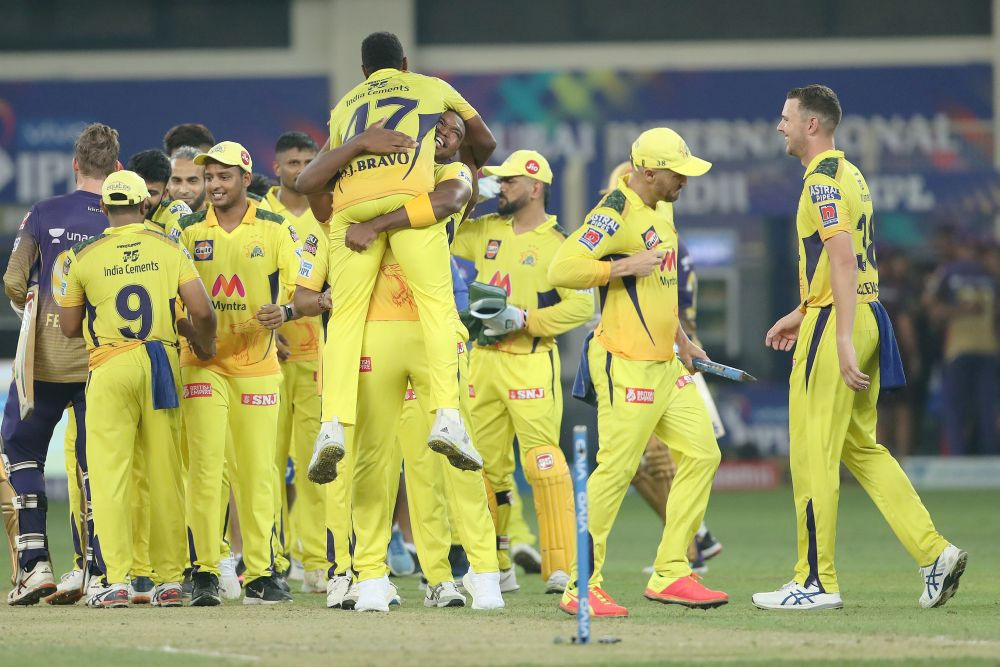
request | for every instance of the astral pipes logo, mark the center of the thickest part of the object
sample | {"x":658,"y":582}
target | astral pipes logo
{"x":228,"y":285}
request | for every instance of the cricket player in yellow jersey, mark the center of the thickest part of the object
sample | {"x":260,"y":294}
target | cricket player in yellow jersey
{"x":121,"y":286}
{"x":369,"y":186}
{"x":390,"y":369}
{"x":246,"y":257}
{"x":627,"y":247}
{"x":299,"y":411}
{"x":517,"y":379}
{"x":845,"y":350}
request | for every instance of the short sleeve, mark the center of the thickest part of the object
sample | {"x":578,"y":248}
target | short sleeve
{"x":71,"y":289}
{"x":313,"y":263}
{"x":187,"y":271}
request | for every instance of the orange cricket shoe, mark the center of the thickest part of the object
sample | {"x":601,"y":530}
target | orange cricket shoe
{"x":601,"y":604}
{"x":687,"y":591}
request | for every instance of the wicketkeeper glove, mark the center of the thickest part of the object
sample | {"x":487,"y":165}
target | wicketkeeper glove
{"x":508,"y":320}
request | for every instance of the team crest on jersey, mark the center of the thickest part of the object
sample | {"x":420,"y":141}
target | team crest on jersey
{"x":254,"y":250}
{"x":650,"y":238}
{"x":591,"y":237}
{"x":492,"y":249}
{"x":204,"y":250}
{"x":828,"y":214}
{"x":605,"y":223}
{"x":637,"y":395}
{"x":311,"y":244}
{"x":529,"y":257}
{"x":820,"y":193}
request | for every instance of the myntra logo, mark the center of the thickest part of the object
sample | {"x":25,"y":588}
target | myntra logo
{"x":228,"y":285}
{"x":501,"y":281}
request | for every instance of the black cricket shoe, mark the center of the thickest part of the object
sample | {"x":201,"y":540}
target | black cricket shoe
{"x":265,"y":590}
{"x":205,"y":590}
{"x":708,"y":546}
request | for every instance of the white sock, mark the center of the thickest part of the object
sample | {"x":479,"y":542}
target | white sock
{"x":702,"y":529}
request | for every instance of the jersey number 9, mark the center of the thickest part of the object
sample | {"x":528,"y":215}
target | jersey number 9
{"x":134,"y":305}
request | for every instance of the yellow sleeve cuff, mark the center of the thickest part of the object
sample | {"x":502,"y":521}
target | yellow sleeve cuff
{"x":420,"y":212}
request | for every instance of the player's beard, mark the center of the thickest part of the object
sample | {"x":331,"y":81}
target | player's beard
{"x":512,"y":206}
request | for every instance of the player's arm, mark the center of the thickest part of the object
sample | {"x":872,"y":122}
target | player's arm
{"x":844,"y":284}
{"x":22,"y":259}
{"x":71,"y":299}
{"x":587,"y":258}
{"x":320,"y":174}
{"x":575,"y":307}
{"x":687,"y":349}
{"x":448,"y":198}
{"x":311,"y":296}
{"x":200,"y":319}
{"x":273,"y":315}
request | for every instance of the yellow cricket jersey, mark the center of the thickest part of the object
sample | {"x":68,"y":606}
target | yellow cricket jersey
{"x":638,"y":315}
{"x":410,"y":103}
{"x":242,"y":270}
{"x":519,"y":263}
{"x":166,"y":219}
{"x":127,"y":279}
{"x":835,"y":198}
{"x":304,"y":335}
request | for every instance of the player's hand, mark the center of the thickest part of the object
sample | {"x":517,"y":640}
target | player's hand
{"x":359,"y":236}
{"x":785,"y":332}
{"x":271,"y":316}
{"x":489,"y":188}
{"x":688,"y":352}
{"x":202,"y":352}
{"x":326,"y":300}
{"x":377,"y":140}
{"x":640,"y":264}
{"x":284,"y":350}
{"x":849,"y":370}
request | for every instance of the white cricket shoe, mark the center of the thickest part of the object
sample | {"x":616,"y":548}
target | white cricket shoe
{"x":69,"y":589}
{"x":314,"y":581}
{"x":484,"y":589}
{"x":376,"y":595}
{"x":114,"y":596}
{"x":941,"y":577}
{"x":796,"y":597}
{"x":95,"y":584}
{"x":351,"y":597}
{"x":557,"y":582}
{"x":445,"y":594}
{"x":327,"y":453}
{"x":450,"y":438}
{"x":32,"y":585}
{"x":229,"y":582}
{"x":508,"y":581}
{"x":337,"y":588}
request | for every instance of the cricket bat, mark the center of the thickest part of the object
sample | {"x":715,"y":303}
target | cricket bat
{"x":24,"y":358}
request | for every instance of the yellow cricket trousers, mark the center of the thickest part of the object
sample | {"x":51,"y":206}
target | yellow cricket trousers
{"x":829,"y":423}
{"x":215,"y":405}
{"x":120,"y":420}
{"x":636,"y":399}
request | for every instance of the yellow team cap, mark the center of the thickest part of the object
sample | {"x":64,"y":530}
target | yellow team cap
{"x":662,"y":148}
{"x":622,"y":170}
{"x":227,"y":152}
{"x":123,"y":188}
{"x":523,"y":163}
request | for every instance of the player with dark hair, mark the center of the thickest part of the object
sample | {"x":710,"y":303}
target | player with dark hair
{"x":845,"y":351}
{"x":369,"y":186}
{"x":187,"y":134}
{"x":122,"y":285}
{"x":43,"y":242}
{"x":299,"y":411}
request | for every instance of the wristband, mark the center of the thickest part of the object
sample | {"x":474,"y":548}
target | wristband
{"x":420,"y":212}
{"x":287,"y":311}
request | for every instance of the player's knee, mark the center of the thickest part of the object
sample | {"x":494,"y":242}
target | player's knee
{"x":544,"y":462}
{"x":25,"y":476}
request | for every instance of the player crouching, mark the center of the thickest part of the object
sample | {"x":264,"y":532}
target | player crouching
{"x":123,"y":283}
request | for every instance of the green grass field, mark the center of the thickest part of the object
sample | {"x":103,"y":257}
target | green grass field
{"x":881,"y":621}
